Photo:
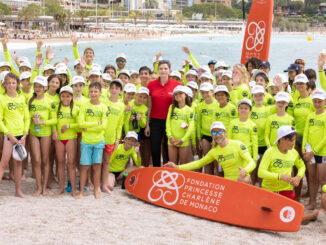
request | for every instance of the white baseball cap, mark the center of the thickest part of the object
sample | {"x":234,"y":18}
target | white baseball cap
{"x":193,"y":85}
{"x":301,"y":78}
{"x":126,"y":72}
{"x":19,"y":152}
{"x":25,"y":64}
{"x":4,"y":63}
{"x":283,"y":77}
{"x":179,"y":88}
{"x":61,"y":64}
{"x":217,"y":73}
{"x":76,"y":62}
{"x":121,"y":55}
{"x":95,"y":72}
{"x":221,"y":88}
{"x":143,"y":90}
{"x":206,"y":87}
{"x":132,"y":134}
{"x":49,"y":67}
{"x":188,"y":91}
{"x":257,"y":72}
{"x":61,"y":70}
{"x":175,"y":74}
{"x":192,"y":72}
{"x":221,"y":64}
{"x":41,"y":80}
{"x":3,"y":75}
{"x":116,"y":80}
{"x":284,"y":131}
{"x":318,"y":94}
{"x":22,"y":59}
{"x":25,"y":75}
{"x":130,"y":88}
{"x":133,"y":72}
{"x":217,"y":124}
{"x":227,"y":73}
{"x":96,"y":67}
{"x":203,"y":68}
{"x":66,"y":89}
{"x":258,"y":89}
{"x":282,"y":96}
{"x":77,"y":79}
{"x":106,"y":76}
{"x":245,"y":101}
{"x":207,"y":75}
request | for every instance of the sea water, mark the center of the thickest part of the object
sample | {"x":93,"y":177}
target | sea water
{"x":284,"y":50}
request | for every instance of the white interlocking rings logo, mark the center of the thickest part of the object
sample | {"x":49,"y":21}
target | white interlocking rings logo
{"x":256,"y":36}
{"x":169,"y":180}
{"x":287,"y":214}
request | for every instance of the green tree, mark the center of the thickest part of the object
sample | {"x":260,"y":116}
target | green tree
{"x":82,"y":14}
{"x":134,"y":14}
{"x":148,"y":16}
{"x":29,"y":12}
{"x":4,"y":9}
{"x":211,"y":18}
{"x":61,"y":17}
{"x":179,"y":17}
{"x":208,"y":9}
{"x":52,"y":7}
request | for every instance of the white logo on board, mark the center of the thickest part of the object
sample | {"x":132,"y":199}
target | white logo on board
{"x":173,"y":181}
{"x":256,"y":32}
{"x":287,"y":214}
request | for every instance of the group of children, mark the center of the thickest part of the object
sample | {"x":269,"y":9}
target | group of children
{"x":98,"y":118}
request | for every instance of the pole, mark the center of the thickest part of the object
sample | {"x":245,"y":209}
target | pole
{"x":96,"y":15}
{"x":243,"y":11}
{"x":215,"y":10}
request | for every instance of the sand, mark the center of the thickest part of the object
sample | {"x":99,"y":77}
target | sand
{"x":120,"y":218}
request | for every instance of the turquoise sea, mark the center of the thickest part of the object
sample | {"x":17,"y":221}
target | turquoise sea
{"x":284,"y":50}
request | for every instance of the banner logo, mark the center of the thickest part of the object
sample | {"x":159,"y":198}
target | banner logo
{"x":166,"y":186}
{"x":256,"y":32}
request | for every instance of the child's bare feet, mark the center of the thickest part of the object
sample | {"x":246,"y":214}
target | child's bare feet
{"x":20,"y":194}
{"x":45,"y":192}
{"x":59,"y":192}
{"x":37,"y":193}
{"x":80,"y":195}
{"x":106,"y":189}
{"x":310,"y":206}
{"x":97,"y":194}
{"x":23,"y":177}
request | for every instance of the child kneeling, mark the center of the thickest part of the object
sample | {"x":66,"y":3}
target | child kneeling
{"x":120,"y":157}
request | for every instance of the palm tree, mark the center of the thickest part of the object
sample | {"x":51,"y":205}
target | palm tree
{"x":134,"y":14}
{"x":82,"y":14}
{"x":31,"y":11}
{"x":179,"y":17}
{"x":61,"y":17}
{"x":148,"y":16}
{"x":211,"y":18}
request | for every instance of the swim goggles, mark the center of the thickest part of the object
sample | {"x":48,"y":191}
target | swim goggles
{"x":219,"y":132}
{"x":120,"y":60}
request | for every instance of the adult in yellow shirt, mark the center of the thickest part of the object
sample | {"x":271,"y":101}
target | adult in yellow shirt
{"x":277,"y":164}
{"x":232,"y":155}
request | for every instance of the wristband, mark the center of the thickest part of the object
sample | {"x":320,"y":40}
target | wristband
{"x":67,"y":125}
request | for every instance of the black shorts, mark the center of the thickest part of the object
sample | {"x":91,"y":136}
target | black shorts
{"x":320,"y":159}
{"x":17,"y":137}
{"x":142,"y":134}
{"x":261,"y":150}
{"x":116,"y":174}
{"x":208,"y":138}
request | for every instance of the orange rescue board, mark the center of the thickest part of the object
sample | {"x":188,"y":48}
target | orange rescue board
{"x":258,"y":31}
{"x":215,"y":198}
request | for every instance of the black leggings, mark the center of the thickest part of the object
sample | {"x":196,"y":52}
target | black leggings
{"x":157,"y":127}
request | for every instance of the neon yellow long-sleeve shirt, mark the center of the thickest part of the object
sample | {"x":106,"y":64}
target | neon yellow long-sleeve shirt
{"x":175,"y":120}
{"x":115,"y":121}
{"x":235,"y":154}
{"x":259,"y":116}
{"x":273,"y":123}
{"x":226,"y":114}
{"x":142,"y":110}
{"x":120,"y":158}
{"x":77,"y":56}
{"x":315,"y":133}
{"x":206,"y":114}
{"x":274,"y":163}
{"x":8,"y":59}
{"x":92,"y":118}
{"x":14,"y":115}
{"x":47,"y":114}
{"x":69,"y":117}
{"x":246,"y":132}
{"x":302,"y":108}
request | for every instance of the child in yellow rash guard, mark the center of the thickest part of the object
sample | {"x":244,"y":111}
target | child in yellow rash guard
{"x":226,"y":111}
{"x":314,"y":146}
{"x":93,"y":121}
{"x":113,"y":131}
{"x":88,"y":53}
{"x":281,"y":118}
{"x":52,"y":94}
{"x":27,"y":86}
{"x":14,"y":122}
{"x":179,"y":125}
{"x":244,"y":129}
{"x":139,"y":112}
{"x":64,"y":136}
{"x":277,"y":164}
{"x":43,"y":117}
{"x":121,"y":156}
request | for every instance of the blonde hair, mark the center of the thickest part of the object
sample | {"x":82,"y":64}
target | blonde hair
{"x":245,"y":75}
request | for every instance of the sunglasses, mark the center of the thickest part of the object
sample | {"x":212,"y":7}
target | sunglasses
{"x":299,"y":61}
{"x":120,"y":60}
{"x":219,"y":132}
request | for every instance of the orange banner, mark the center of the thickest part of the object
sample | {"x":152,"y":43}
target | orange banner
{"x":258,"y":31}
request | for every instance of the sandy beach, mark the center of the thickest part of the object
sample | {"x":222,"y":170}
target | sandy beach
{"x":120,"y":218}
